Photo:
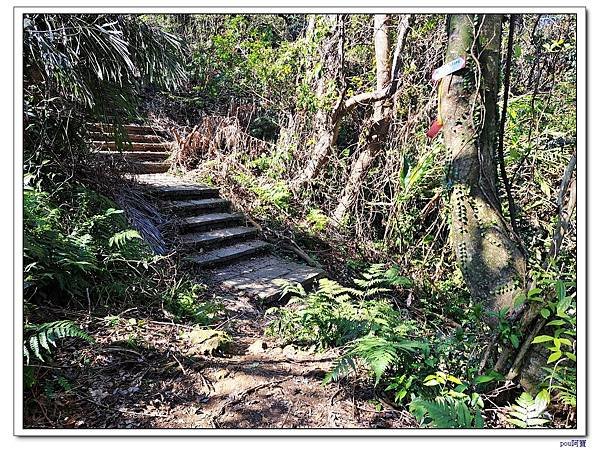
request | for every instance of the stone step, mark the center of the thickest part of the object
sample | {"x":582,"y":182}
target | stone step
{"x":136,"y":156}
{"x":181,"y":192}
{"x":218,"y":237}
{"x":263,"y":277}
{"x":145,"y":167}
{"x":187,"y":207}
{"x":131,"y":128}
{"x":135,"y":146}
{"x":210,"y":221}
{"x":227,"y":254}
{"x":107,"y":137}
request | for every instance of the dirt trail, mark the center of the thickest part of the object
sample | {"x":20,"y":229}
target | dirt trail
{"x":142,"y":374}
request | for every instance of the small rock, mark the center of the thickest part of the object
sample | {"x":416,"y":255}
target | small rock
{"x":276,"y":351}
{"x":207,"y":342}
{"x":289,"y":350}
{"x":258,"y":346}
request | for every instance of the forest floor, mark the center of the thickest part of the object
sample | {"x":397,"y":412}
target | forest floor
{"x":144,"y":372}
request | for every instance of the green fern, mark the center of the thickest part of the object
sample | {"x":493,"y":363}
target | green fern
{"x":378,"y":279}
{"x":526,"y":413}
{"x":341,"y":368}
{"x":335,"y":315}
{"x":41,"y":338}
{"x":335,"y":291}
{"x":122,"y":237}
{"x":378,"y":353}
{"x":290,"y":289}
{"x":445,"y":412}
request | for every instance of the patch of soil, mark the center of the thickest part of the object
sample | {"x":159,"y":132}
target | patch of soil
{"x":143,"y":373}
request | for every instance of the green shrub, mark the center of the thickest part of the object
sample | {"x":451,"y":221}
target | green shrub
{"x":82,"y":248}
{"x":186,"y":302}
{"x":452,"y":407}
{"x":359,"y":319}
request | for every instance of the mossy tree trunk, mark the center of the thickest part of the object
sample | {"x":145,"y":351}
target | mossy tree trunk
{"x":487,"y":250}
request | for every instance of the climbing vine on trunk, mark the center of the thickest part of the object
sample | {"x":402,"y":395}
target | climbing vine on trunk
{"x":329,"y":94}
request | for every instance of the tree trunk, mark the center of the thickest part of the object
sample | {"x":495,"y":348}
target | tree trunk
{"x":379,"y":124}
{"x":490,"y":259}
{"x":327,"y":118}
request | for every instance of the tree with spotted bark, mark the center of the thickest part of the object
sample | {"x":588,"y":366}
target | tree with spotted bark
{"x":487,"y":249}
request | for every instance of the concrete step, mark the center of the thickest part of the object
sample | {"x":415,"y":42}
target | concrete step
{"x":221,"y":236}
{"x":234,"y":252}
{"x":107,"y":137}
{"x":136,"y":156}
{"x":212,"y":221}
{"x":143,"y":167}
{"x":180,"y":192}
{"x":131,"y":128}
{"x":188,"y":207}
{"x":135,"y":146}
{"x":264,"y":276}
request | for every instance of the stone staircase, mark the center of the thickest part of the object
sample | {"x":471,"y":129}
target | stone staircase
{"x":147,"y":152}
{"x":217,"y":240}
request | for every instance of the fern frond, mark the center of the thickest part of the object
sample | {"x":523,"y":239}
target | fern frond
{"x":333,"y":290}
{"x":526,"y":413}
{"x":46,"y":335}
{"x":340,"y":369}
{"x":372,"y":292}
{"x":445,"y":412}
{"x":122,"y":237}
{"x":290,"y":288}
{"x":377,"y":280}
{"x":378,"y":353}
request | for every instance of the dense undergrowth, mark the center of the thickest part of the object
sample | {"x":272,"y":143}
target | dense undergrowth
{"x":429,"y":366}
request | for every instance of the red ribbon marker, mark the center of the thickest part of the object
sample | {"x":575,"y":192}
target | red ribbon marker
{"x":435,"y":128}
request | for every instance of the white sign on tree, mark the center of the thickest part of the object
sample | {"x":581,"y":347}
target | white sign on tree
{"x":449,"y":68}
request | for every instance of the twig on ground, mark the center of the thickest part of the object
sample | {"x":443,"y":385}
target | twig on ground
{"x":180,"y":365}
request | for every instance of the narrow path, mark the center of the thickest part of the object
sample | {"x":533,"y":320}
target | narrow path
{"x":146,"y":372}
{"x":259,"y":384}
